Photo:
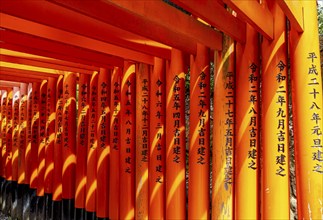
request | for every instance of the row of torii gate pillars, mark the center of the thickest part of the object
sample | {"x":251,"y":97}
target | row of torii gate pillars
{"x":118,"y":143}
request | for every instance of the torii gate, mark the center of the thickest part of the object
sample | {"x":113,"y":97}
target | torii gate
{"x":95,"y":121}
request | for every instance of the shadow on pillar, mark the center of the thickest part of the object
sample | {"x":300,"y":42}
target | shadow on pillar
{"x":40,"y":207}
{"x":79,"y":214}
{"x":7,"y":198}
{"x":2,"y":183}
{"x":57,"y":210}
{"x":17,"y":191}
{"x":32,"y":204}
{"x":48,"y":206}
{"x":26,"y":192}
{"x":68,"y":209}
{"x":90,"y":215}
{"x":102,"y":218}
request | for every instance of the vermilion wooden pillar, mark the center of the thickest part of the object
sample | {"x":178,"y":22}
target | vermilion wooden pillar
{"x":22,"y":140}
{"x":69,"y":144}
{"x":82,"y":140}
{"x":8,"y":149}
{"x":114,"y":182}
{"x":29,"y":133}
{"x":247,"y":156}
{"x":91,"y":182}
{"x":175,"y":138}
{"x":307,"y":114}
{"x":1,"y":118}
{"x":58,"y":140}
{"x":34,"y":136}
{"x":142,"y":140}
{"x":42,"y":138}
{"x":103,"y":150}
{"x":15,"y":132}
{"x":127,"y":142}
{"x":157,"y":145}
{"x":3,"y":130}
{"x":199,"y":143}
{"x":274,"y":121}
{"x":223,"y":133}
{"x":50,"y":134}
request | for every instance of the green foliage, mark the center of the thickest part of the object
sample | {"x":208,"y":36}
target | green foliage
{"x":320,"y":18}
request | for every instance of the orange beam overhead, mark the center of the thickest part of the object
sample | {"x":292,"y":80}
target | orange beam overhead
{"x":68,"y":20}
{"x":156,"y":19}
{"x":53,"y":34}
{"x":44,"y":59}
{"x":255,"y":14}
{"x":294,"y":12}
{"x":26,"y":40}
{"x":232,"y":26}
{"x":12,"y":78}
{"x":10,"y":84}
{"x":36,"y":63}
{"x":27,"y":73}
{"x":5,"y":87}
{"x":78,"y":59}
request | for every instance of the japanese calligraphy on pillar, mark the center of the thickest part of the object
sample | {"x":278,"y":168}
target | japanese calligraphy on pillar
{"x":282,"y":120}
{"x":66,"y":96}
{"x":253,"y":116}
{"x":145,"y":119}
{"x":57,"y":173}
{"x":159,"y":127}
{"x":316,"y":118}
{"x":115,"y":113}
{"x":83,"y":99}
{"x":59,"y":112}
{"x":229,"y":130}
{"x":177,"y":120}
{"x":15,"y":133}
{"x":69,"y":136}
{"x":114,"y":184}
{"x":103,"y":150}
{"x":43,"y":112}
{"x":22,"y":133}
{"x":35,"y":115}
{"x":3,"y":130}
{"x":128,"y":126}
{"x":28,"y":131}
{"x":35,"y":135}
{"x":42,"y":138}
{"x":104,"y":114}
{"x":203,"y":111}
{"x":93,"y":115}
{"x":50,"y":134}
{"x":82,"y":140}
{"x":91,"y":171}
{"x":9,"y":135}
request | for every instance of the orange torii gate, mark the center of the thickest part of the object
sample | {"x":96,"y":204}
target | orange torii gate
{"x":141,"y":110}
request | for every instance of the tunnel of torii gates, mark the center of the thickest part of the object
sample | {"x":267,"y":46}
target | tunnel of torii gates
{"x":93,"y":118}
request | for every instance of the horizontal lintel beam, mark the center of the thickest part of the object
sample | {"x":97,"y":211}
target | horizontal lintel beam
{"x":112,"y":52}
{"x":216,"y":15}
{"x":255,"y":14}
{"x":294,"y":12}
{"x":26,"y":40}
{"x":9,"y":83}
{"x":38,"y":51}
{"x":29,"y":73}
{"x":45,"y":59}
{"x":152,"y":19}
{"x":78,"y":23}
{"x":24,"y":61}
{"x":17,"y":78}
